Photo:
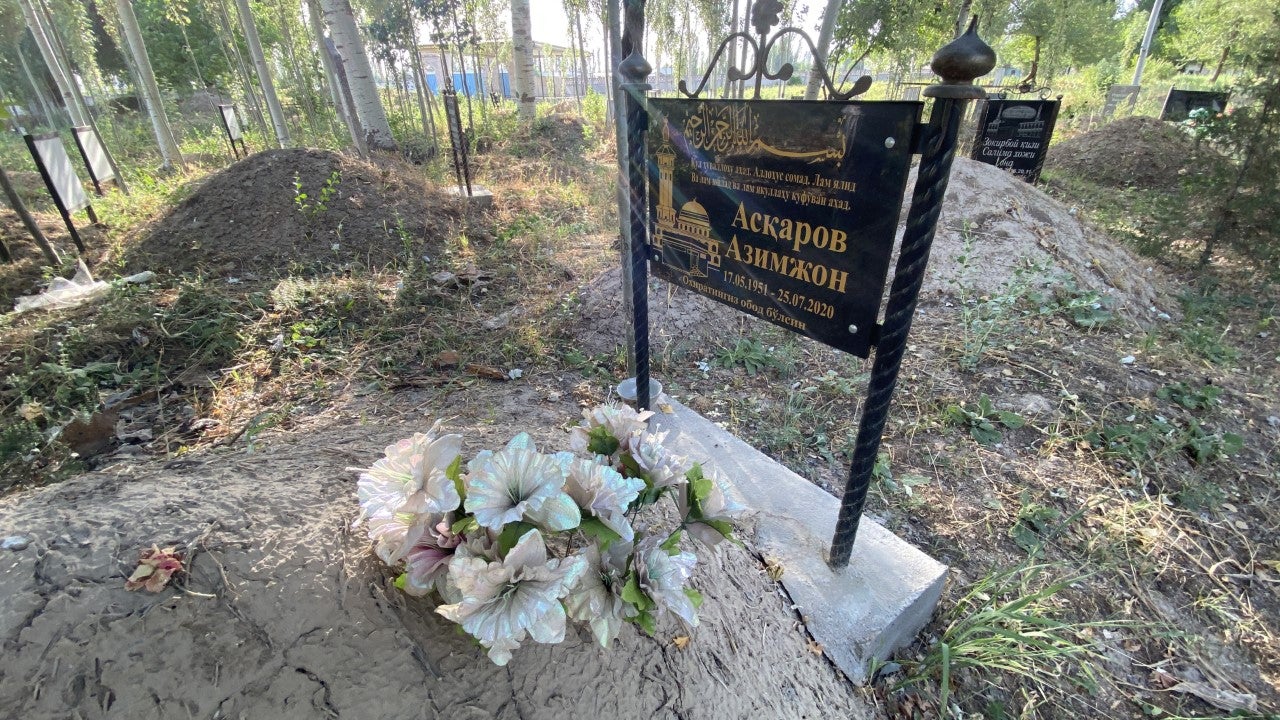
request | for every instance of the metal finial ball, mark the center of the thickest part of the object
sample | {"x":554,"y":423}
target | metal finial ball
{"x":634,"y":68}
{"x":964,"y":59}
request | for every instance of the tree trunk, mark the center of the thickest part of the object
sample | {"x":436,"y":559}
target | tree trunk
{"x":829,"y":17}
{"x":61,"y":78}
{"x":522,"y":60}
{"x":46,"y":105}
{"x":264,"y":72}
{"x":228,"y":39}
{"x":357,"y":136}
{"x":1222,"y":63}
{"x":727,"y":88}
{"x":331,"y":73}
{"x":150,"y":91}
{"x":15,"y":202}
{"x":1250,"y":152}
{"x":359,"y":74}
{"x":582,"y":53}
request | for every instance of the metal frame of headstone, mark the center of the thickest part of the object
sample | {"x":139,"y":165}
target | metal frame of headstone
{"x":95,"y":160}
{"x":231,"y":128}
{"x":689,"y":230}
{"x":457,"y":138}
{"x":1014,"y":135}
{"x":51,"y":159}
{"x":1179,"y":104}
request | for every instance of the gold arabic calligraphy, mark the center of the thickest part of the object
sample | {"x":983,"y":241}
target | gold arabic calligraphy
{"x":725,"y":128}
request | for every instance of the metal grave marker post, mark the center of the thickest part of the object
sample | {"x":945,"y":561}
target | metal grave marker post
{"x":51,"y":159}
{"x":1014,"y":135}
{"x":231,"y":127}
{"x":786,"y":209}
{"x":457,"y":138}
{"x":1179,"y":104}
{"x":94,"y":156}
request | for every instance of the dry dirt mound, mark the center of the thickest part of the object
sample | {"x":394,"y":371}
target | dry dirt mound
{"x":248,"y":217}
{"x":1017,"y":233}
{"x":1131,"y":152}
{"x":286,"y":614}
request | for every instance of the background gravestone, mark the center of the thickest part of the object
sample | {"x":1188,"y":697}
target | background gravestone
{"x":1014,"y":135}
{"x":1179,"y":104}
{"x":60,"y":178}
{"x":95,"y":156}
{"x":1118,"y":94}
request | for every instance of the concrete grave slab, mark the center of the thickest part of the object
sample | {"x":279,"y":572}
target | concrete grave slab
{"x":863,"y":612}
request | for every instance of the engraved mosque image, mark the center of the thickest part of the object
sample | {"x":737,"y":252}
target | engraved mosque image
{"x":683,"y":238}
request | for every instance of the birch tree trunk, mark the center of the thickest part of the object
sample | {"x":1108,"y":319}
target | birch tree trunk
{"x":522,"y":60}
{"x":150,"y":91}
{"x":824,"y":44}
{"x":359,"y":74}
{"x":46,"y":105}
{"x":60,"y":76}
{"x":264,"y":72}
{"x":340,"y":102}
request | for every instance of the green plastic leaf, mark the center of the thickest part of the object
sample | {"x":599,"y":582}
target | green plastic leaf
{"x":632,"y":593}
{"x":725,"y":528}
{"x":466,"y":525}
{"x":633,"y":469}
{"x":699,"y":489}
{"x":511,"y":534}
{"x":601,"y":442}
{"x":454,"y":473}
{"x":694,"y":596}
{"x":400,"y":581}
{"x":595,"y":528}
{"x":647,"y":623}
{"x":672,"y":544}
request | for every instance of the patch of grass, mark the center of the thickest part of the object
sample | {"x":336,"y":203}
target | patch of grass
{"x":983,"y":420}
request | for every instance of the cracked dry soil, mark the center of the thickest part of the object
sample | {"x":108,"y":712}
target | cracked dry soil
{"x":285,"y":613}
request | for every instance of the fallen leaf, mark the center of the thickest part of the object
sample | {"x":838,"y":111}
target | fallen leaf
{"x":666,"y":409}
{"x":155,"y":568}
{"x":487,"y":371}
{"x":1221,"y":699}
{"x":681,"y":642}
{"x":1162,"y":680}
{"x":815,"y":647}
{"x":447,"y":359}
{"x":773,"y":568}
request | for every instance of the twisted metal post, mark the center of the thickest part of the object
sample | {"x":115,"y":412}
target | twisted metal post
{"x":958,"y":64}
{"x":635,"y":71}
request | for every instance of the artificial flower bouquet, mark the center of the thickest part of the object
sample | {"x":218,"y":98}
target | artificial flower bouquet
{"x":516,"y":541}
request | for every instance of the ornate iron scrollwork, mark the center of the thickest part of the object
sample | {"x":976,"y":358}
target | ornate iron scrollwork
{"x":764,"y":15}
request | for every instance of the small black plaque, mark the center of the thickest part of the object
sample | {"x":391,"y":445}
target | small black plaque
{"x":1014,"y":135}
{"x":1178,"y":104}
{"x":785,"y":210}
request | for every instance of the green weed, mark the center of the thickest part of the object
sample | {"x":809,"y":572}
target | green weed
{"x":982,"y":418}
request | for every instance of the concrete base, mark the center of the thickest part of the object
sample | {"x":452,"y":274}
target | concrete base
{"x":863,"y":612}
{"x":481,"y":196}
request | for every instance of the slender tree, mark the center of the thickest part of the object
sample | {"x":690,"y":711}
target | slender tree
{"x":522,"y":60}
{"x":264,"y":72}
{"x":359,"y":74}
{"x":150,"y":91}
{"x":61,"y":77}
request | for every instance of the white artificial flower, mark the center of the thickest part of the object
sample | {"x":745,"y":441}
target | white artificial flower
{"x":596,"y":598}
{"x":505,"y":601}
{"x":717,"y":505}
{"x":621,"y":421}
{"x":602,"y":492}
{"x":663,"y":576}
{"x":427,"y":560}
{"x":411,"y":478}
{"x":518,"y":482}
{"x":664,"y":468}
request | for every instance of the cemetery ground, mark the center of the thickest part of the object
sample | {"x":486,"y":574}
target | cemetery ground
{"x":1086,"y":435}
